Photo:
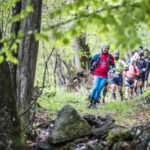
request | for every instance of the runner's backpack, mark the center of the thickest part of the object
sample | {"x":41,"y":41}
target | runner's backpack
{"x":94,"y":64}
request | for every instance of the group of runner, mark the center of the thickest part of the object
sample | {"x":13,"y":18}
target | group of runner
{"x":107,"y":68}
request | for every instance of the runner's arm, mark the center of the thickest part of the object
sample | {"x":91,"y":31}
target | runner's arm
{"x":112,"y":62}
{"x":137,"y":71}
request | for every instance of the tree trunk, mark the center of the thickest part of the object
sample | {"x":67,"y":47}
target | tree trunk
{"x":11,"y":133}
{"x":60,"y":72}
{"x":14,"y":29}
{"x":76,"y":49}
{"x":82,"y":54}
{"x":27,"y":56}
{"x":127,"y":56}
{"x":54,"y":69}
{"x":149,"y":40}
{"x":85,"y":55}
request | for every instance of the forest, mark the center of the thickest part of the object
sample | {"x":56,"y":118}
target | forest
{"x":74,"y":75}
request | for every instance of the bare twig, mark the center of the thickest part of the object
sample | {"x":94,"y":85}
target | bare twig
{"x":43,"y":85}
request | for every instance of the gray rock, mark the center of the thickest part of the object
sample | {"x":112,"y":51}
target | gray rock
{"x":106,"y":118}
{"x":68,"y":146}
{"x":81,"y":140}
{"x":141,"y":135}
{"x":68,"y":126}
{"x":44,"y":146}
{"x":119,"y":146}
{"x":92,"y":121}
{"x":103,"y":130}
{"x":95,"y":146}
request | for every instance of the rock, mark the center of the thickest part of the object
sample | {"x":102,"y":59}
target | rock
{"x":92,"y":121}
{"x":81,"y":140}
{"x":145,"y":101}
{"x":119,"y":146}
{"x":99,"y":121}
{"x":91,"y":145}
{"x":106,"y":118}
{"x":69,"y":146}
{"x":103,"y":130}
{"x":44,"y":146}
{"x":118,"y":134}
{"x":68,"y":126}
{"x":95,"y":146}
{"x":141,"y":135}
{"x":82,"y":148}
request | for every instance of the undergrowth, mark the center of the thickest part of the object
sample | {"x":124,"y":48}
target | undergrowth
{"x":53,"y":100}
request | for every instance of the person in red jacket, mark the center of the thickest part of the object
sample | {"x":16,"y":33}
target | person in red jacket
{"x":130,"y":75}
{"x":100,"y":65}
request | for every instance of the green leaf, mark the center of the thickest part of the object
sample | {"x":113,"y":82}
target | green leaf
{"x":65,"y":41}
{"x":1,"y":59}
{"x":41,"y":36}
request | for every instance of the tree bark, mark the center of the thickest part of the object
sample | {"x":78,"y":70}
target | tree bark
{"x":149,"y":40}
{"x":60,"y":72}
{"x":85,"y":55}
{"x":54,"y":69}
{"x":11,"y":133}
{"x":27,"y":56}
{"x":76,"y":49}
{"x":82,"y":54}
{"x":14,"y":29}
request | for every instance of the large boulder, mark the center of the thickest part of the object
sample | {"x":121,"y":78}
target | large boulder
{"x":68,"y":126}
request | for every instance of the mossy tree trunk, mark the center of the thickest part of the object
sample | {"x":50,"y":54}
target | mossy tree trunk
{"x":85,"y":54}
{"x":27,"y":57}
{"x":82,"y":54}
{"x":11,"y":133}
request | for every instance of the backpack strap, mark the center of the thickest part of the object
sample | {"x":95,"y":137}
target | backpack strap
{"x":134,"y":69}
{"x":109,"y":60}
{"x":94,"y":63}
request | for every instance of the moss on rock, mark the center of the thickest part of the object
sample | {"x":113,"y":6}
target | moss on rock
{"x":118,"y":134}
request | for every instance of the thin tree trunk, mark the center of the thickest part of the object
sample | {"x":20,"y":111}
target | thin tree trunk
{"x":60,"y":72}
{"x":76,"y":49}
{"x":149,"y":40}
{"x":54,"y":69}
{"x":127,"y":56}
{"x":11,"y":133}
{"x":27,"y":56}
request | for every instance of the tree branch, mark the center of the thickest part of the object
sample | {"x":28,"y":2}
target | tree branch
{"x":88,"y":15}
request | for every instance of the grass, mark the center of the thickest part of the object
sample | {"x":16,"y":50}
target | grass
{"x":124,"y":112}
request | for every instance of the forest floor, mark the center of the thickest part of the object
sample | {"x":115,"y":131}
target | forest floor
{"x":127,"y":113}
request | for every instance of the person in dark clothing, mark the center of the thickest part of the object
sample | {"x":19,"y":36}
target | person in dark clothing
{"x":147,"y":58}
{"x":141,"y":49}
{"x":141,"y":64}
